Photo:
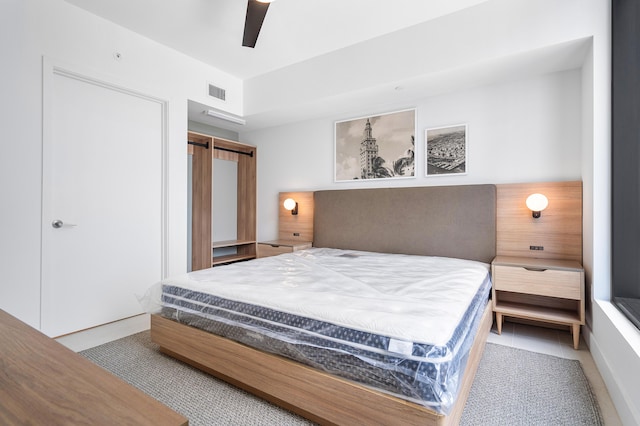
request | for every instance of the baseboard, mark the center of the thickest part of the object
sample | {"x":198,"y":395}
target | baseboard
{"x":96,"y":336}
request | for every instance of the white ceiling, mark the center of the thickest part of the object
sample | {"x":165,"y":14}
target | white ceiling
{"x":303,"y":40}
{"x":293,"y":30}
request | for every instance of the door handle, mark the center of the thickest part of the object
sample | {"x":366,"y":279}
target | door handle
{"x":59,"y":224}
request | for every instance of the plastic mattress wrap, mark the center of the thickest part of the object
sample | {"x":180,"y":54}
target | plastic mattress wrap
{"x":398,"y":323}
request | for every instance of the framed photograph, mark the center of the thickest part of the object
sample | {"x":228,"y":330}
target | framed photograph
{"x":446,"y":150}
{"x":376,"y":147}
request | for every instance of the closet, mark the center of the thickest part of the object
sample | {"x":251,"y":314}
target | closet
{"x":207,"y":248}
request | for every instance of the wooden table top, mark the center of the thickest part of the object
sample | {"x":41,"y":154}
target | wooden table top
{"x":43,"y":382}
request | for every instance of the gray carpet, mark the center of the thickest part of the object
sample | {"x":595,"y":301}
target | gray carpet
{"x":512,"y":387}
{"x":518,"y":387}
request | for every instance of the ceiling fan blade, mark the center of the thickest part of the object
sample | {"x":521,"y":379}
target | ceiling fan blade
{"x":256,"y":12}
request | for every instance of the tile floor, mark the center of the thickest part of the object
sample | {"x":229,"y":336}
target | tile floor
{"x":558,"y":343}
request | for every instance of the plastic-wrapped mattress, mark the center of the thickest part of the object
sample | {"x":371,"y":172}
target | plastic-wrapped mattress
{"x":401,"y":324}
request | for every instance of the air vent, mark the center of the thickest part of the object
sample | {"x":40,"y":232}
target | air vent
{"x":217,"y":92}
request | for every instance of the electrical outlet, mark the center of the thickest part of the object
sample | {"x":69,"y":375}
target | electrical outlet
{"x":536,"y":248}
{"x":296,"y":234}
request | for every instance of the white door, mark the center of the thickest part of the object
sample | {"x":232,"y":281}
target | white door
{"x":102,"y":218}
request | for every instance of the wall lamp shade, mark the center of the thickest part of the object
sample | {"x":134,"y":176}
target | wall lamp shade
{"x":536,"y":203}
{"x":291,"y":205}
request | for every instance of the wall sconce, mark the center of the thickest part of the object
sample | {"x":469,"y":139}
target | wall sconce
{"x":536,"y":203}
{"x":292,"y":205}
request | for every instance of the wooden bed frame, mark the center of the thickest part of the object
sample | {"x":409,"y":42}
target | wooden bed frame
{"x":455,"y":221}
{"x":313,"y":394}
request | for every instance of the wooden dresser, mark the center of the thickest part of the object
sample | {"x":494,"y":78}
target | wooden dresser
{"x":43,"y":382}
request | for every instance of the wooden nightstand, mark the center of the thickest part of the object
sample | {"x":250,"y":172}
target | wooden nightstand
{"x":273,"y":248}
{"x":543,"y":290}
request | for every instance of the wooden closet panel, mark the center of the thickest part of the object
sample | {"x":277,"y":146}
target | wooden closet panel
{"x":225,"y":155}
{"x":201,"y":204}
{"x":247,"y":203}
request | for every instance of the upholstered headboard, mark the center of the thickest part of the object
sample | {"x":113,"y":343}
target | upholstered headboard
{"x":452,"y":221}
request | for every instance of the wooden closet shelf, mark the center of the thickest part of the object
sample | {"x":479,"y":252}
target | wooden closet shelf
{"x":540,"y":313}
{"x":230,"y":258}
{"x":231,"y":243}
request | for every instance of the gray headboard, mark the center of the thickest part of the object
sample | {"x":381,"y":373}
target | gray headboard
{"x":451,"y":221}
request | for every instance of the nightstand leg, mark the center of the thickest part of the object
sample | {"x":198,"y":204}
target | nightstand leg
{"x":575,"y":329}
{"x":499,"y":322}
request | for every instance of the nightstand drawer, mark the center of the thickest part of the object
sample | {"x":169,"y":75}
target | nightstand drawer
{"x":266,"y":250}
{"x":543,"y":282}
{"x":276,"y":247}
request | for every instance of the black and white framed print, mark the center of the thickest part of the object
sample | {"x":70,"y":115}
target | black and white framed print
{"x":446,"y":150}
{"x":376,"y":147}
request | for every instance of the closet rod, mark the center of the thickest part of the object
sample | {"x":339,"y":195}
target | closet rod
{"x":203,"y":145}
{"x":250,"y":154}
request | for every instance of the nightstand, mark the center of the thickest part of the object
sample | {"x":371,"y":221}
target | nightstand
{"x":276,"y":247}
{"x":545,"y":290}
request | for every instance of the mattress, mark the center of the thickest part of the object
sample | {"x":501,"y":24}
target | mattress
{"x":401,"y":324}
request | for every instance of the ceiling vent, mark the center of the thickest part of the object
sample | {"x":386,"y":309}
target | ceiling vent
{"x":217,"y":92}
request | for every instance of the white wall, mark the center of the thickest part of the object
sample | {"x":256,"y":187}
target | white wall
{"x":520,"y":131}
{"x":68,"y":36}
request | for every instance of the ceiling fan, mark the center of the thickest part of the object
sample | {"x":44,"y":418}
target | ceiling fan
{"x":256,"y":11}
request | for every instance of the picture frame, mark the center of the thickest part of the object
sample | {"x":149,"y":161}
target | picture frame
{"x":375,"y":147}
{"x":446,"y":150}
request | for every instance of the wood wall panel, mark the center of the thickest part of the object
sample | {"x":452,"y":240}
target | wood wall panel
{"x":302,"y":223}
{"x":558,"y":230}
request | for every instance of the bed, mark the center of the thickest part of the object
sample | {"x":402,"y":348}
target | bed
{"x":362,"y":364}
